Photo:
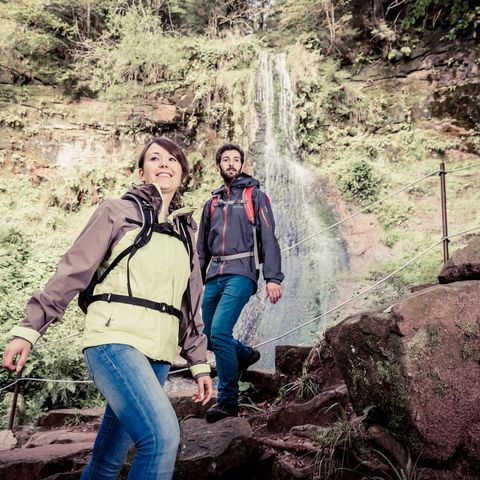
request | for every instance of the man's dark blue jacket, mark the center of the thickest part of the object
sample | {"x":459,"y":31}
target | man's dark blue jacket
{"x":228,"y":231}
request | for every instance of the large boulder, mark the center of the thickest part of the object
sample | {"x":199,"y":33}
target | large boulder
{"x":218,"y":450}
{"x":464,"y":264}
{"x":417,"y":364}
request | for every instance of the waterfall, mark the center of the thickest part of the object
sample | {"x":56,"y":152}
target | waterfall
{"x":300,"y":210}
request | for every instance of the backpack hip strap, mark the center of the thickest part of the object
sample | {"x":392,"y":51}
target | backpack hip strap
{"x":235,"y":256}
{"x":139,"y":302}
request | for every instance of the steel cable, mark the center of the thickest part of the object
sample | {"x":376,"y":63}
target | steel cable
{"x":368,"y":207}
{"x":363,"y":292}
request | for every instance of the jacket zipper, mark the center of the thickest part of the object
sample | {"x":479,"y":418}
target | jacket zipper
{"x":225,"y":215}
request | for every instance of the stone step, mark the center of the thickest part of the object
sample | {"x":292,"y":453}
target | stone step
{"x":40,"y":462}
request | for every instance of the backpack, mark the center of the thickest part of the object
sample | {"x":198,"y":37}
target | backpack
{"x":148,"y":226}
{"x":250,"y":211}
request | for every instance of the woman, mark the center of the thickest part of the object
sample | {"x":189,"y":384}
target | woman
{"x":129,"y":345}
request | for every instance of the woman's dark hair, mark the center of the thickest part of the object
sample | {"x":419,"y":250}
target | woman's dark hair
{"x":171,"y":147}
{"x":229,"y":146}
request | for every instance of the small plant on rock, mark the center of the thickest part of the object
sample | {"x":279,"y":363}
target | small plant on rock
{"x":304,"y":387}
{"x":410,"y":472}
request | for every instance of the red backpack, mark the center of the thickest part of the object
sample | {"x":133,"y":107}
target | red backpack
{"x":250,"y":211}
{"x":247,"y":204}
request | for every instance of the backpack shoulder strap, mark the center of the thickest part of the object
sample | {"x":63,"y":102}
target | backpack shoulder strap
{"x":145,"y":234}
{"x":143,"y":237}
{"x":250,"y":211}
{"x":248,"y":204}
{"x":213,"y":204}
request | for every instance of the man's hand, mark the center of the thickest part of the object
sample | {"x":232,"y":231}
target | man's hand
{"x":18,"y":346}
{"x":274,"y":292}
{"x":205,"y":389}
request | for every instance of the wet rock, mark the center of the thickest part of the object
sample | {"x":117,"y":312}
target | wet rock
{"x":464,"y":264}
{"x":58,"y":418}
{"x":8,"y":76}
{"x":307,"y":431}
{"x":419,"y":288}
{"x":386,"y":442}
{"x":184,"y":405}
{"x":289,"y":359}
{"x":41,"y":462}
{"x":417,"y":364}
{"x":323,"y":409}
{"x":218,"y":450}
{"x":59,"y":437}
{"x":264,"y":381}
{"x":156,"y":113}
{"x":321,"y":364}
{"x":285,"y":470}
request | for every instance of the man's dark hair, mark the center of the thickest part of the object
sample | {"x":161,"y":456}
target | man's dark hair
{"x":226,"y":147}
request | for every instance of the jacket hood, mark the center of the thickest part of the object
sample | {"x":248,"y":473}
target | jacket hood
{"x":241,"y":182}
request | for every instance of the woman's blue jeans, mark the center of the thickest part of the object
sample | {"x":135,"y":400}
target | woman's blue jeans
{"x":138,"y":413}
{"x":223,"y":300}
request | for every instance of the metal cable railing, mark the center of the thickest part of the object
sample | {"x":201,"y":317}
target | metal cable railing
{"x":318,"y":317}
{"x":363,"y":292}
{"x":368,"y":207}
{"x":444,"y":239}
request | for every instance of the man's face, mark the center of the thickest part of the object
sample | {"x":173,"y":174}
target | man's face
{"x":230,"y":165}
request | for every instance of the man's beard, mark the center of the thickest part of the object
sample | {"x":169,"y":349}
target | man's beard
{"x":228,"y":177}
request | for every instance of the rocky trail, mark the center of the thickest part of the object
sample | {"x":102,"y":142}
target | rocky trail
{"x":390,"y":391}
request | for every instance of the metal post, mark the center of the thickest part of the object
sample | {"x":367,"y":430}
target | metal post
{"x":14,"y":401}
{"x":443,"y":194}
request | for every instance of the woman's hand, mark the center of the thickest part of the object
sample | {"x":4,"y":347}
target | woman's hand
{"x":17,"y":347}
{"x":205,"y":389}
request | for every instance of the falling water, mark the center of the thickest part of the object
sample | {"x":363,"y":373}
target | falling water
{"x":300,"y":210}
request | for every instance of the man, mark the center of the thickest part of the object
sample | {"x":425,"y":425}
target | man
{"x":237,"y":232}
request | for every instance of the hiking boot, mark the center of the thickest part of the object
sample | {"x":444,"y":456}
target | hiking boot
{"x":219,"y":412}
{"x":254,"y":357}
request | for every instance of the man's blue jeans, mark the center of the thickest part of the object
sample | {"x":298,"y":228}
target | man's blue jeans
{"x":223,"y":301}
{"x":138,"y":413}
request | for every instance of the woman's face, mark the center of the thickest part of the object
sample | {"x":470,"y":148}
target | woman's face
{"x":162,"y":168}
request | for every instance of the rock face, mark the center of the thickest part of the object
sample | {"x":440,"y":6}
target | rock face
{"x":464,"y":264}
{"x":289,"y":359}
{"x":417,"y":364}
{"x":209,"y":451}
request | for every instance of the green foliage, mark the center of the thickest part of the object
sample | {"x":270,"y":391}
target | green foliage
{"x":323,"y":25}
{"x":326,"y":104}
{"x":31,"y":243}
{"x":394,"y":215}
{"x":87,"y":184}
{"x":360,"y":181}
{"x":37,"y":37}
{"x":462,"y":17}
{"x":303,"y":388}
{"x":335,"y":442}
{"x":409,"y":472}
{"x":136,"y":58}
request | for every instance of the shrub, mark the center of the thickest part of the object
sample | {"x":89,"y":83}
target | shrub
{"x":360,"y":182}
